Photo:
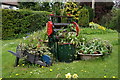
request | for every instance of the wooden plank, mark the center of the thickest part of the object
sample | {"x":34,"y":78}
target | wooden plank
{"x":61,"y":24}
{"x":62,"y":16}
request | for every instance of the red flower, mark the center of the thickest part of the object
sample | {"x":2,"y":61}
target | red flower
{"x":51,"y":14}
{"x":68,"y":14}
{"x":40,"y":40}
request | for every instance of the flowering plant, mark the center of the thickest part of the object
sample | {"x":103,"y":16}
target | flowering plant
{"x":35,"y":43}
{"x":68,"y":75}
{"x":95,"y":46}
{"x":96,"y":26}
{"x":69,"y":35}
{"x":71,"y":9}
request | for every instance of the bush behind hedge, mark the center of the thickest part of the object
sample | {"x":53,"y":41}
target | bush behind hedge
{"x":112,"y":20}
{"x":15,"y":23}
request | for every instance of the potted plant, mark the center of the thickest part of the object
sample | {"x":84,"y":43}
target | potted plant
{"x":94,"y":48}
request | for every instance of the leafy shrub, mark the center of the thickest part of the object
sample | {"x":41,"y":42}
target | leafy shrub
{"x":83,"y":17}
{"x":79,"y":13}
{"x":112,"y":19}
{"x":16,"y":23}
{"x":95,"y":46}
{"x":91,"y":13}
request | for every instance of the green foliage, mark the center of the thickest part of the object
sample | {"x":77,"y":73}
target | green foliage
{"x":83,"y":17}
{"x":80,"y":14}
{"x":91,"y":13}
{"x":112,"y":19}
{"x":96,"y":68}
{"x":96,"y":46}
{"x":96,"y":31}
{"x":68,"y":35}
{"x":35,"y":6}
{"x":42,"y":6}
{"x":16,"y":23}
{"x":27,"y":5}
{"x":56,"y":7}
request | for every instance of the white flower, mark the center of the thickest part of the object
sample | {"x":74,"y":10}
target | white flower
{"x":24,"y":38}
{"x":68,"y":75}
{"x":75,"y":76}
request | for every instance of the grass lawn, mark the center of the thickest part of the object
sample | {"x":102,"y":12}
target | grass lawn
{"x":97,"y":68}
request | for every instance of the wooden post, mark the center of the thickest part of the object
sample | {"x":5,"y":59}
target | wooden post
{"x":93,"y":4}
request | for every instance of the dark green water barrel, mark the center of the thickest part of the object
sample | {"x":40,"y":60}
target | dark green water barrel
{"x":66,"y":52}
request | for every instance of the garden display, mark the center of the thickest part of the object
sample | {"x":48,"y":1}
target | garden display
{"x":61,"y":38}
{"x":64,"y":41}
{"x":94,"y":48}
{"x":33,"y":49}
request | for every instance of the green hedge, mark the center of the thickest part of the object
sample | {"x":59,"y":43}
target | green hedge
{"x":15,"y":23}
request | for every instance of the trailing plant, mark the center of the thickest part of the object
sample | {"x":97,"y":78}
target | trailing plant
{"x":68,"y":35}
{"x":35,"y":43}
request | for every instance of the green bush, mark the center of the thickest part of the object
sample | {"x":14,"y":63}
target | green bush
{"x":112,"y":19}
{"x":83,"y":17}
{"x":17,"y":23}
{"x":91,"y":13}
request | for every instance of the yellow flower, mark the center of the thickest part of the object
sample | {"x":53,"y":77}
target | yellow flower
{"x":23,"y":64}
{"x":68,"y":75}
{"x":42,"y":66}
{"x":91,"y":23}
{"x":113,"y":77}
{"x":101,"y":27}
{"x":81,"y":70}
{"x":104,"y":76}
{"x":18,"y":65}
{"x":66,"y":3}
{"x":71,"y":15}
{"x":75,"y":9}
{"x":78,"y":12}
{"x":75,"y":76}
{"x":0,"y":78}
{"x":16,"y":74}
{"x":77,"y":15}
{"x":31,"y":72}
{"x":77,"y":18}
{"x":50,"y":70}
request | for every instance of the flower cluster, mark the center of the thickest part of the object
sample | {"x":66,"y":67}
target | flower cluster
{"x":68,"y":75}
{"x":101,"y":27}
{"x":96,"y":26}
{"x":71,"y":9}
